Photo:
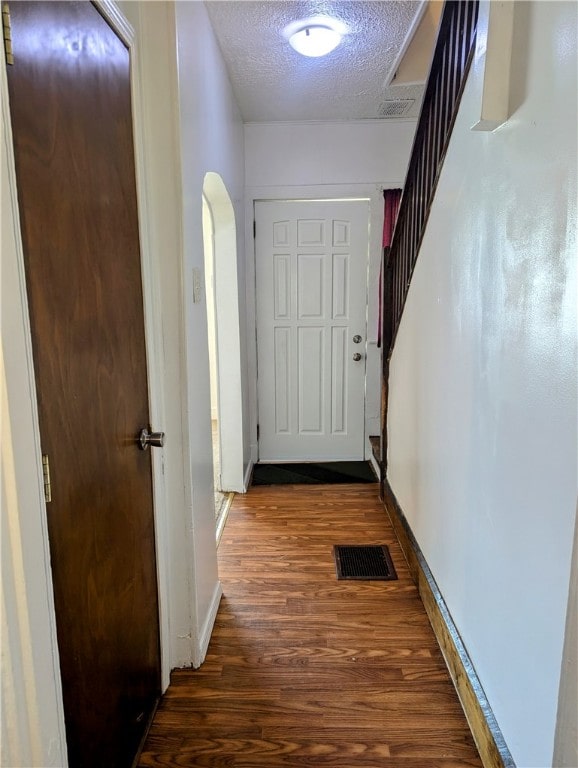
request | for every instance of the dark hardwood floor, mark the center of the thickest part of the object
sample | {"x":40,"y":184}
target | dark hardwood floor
{"x":305,"y":670}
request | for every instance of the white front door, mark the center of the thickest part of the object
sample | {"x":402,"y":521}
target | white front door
{"x":311,"y":267}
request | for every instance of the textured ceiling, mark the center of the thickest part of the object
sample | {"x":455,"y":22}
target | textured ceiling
{"x":273,"y":82}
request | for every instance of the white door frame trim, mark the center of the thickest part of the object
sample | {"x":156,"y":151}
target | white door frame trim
{"x":36,"y":728}
{"x":371,"y":192}
{"x":33,"y":720}
{"x":153,"y":326}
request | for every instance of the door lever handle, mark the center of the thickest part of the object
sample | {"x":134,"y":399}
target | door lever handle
{"x":146,"y":438}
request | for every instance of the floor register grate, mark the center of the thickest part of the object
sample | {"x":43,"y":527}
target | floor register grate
{"x":366,"y":562}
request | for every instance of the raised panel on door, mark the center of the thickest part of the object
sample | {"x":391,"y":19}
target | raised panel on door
{"x":71,"y":114}
{"x":311,"y":269}
{"x":339,"y":381}
{"x":340,"y":286}
{"x":310,"y":366}
{"x":310,"y":286}
{"x":282,"y":395}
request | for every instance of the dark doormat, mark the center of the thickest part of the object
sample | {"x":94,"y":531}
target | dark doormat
{"x":312,"y":473}
{"x":364,"y":562}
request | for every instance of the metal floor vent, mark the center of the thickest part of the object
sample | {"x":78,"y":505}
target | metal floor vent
{"x":364,"y":562}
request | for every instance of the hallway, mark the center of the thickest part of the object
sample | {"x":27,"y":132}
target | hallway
{"x":303,"y":669}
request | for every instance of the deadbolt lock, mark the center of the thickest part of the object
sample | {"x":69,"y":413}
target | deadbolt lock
{"x":357,"y":339}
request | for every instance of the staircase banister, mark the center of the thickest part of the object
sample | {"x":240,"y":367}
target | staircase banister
{"x":447,"y":77}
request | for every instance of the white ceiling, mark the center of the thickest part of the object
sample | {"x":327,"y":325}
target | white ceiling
{"x":274,"y":83}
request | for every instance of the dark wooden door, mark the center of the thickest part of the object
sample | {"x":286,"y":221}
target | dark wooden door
{"x":70,"y":104}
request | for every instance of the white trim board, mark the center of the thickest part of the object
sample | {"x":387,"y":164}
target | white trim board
{"x":153,"y":327}
{"x":248,"y":475}
{"x":205,"y":637}
{"x":33,"y":727}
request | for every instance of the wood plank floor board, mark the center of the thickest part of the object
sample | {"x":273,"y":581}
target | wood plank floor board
{"x":306,"y":670}
{"x":230,"y":755}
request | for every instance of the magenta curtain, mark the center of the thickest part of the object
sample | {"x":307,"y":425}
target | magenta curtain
{"x":392,"y":199}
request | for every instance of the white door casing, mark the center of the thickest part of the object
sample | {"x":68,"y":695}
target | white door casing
{"x":311,"y":291}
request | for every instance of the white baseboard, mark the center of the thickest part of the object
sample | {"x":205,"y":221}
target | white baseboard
{"x":223,"y":515}
{"x":203,"y":644}
{"x":248,"y":473}
{"x":375,"y":465}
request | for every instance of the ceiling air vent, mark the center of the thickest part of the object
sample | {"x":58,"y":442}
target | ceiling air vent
{"x":395,"y":107}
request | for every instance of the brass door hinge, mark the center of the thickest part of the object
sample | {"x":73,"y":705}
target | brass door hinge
{"x":7,"y":33}
{"x":46,"y":476}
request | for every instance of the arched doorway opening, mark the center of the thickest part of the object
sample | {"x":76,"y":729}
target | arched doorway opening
{"x":221,"y":290}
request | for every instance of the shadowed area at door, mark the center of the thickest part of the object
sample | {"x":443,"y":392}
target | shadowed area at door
{"x":314,"y":473}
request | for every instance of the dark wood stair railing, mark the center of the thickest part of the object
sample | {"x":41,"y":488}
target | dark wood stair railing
{"x":448,"y":73}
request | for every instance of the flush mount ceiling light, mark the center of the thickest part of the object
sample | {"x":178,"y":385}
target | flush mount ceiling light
{"x":316,"y":36}
{"x":315,"y":40}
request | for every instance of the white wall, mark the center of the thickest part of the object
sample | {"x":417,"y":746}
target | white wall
{"x":357,"y":158}
{"x":348,"y":152}
{"x":211,"y":139}
{"x":194,"y":128}
{"x":482,"y":412}
{"x":155,"y":34}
